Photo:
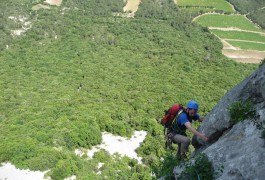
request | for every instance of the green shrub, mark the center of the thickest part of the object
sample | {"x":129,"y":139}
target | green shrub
{"x":170,"y":161}
{"x":240,"y":111}
{"x":82,"y":134}
{"x":262,"y":62}
{"x":201,"y":169}
{"x":61,"y":170}
{"x":102,"y":156}
{"x":68,"y":165}
{"x":45,"y":159}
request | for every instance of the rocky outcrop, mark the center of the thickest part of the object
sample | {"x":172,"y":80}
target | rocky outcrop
{"x":239,"y":154}
{"x":236,"y":151}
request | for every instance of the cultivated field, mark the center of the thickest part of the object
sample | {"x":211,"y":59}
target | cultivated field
{"x":206,"y":5}
{"x":237,"y":33}
{"x":247,"y":45}
{"x":248,"y":36}
{"x":227,"y":21}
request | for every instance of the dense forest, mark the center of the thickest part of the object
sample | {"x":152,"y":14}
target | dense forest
{"x":81,"y":70}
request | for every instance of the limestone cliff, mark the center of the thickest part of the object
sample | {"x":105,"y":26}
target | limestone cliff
{"x":238,"y":148}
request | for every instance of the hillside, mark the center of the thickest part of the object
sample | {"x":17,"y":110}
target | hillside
{"x":238,"y":25}
{"x":76,"y":70}
{"x":236,"y":127}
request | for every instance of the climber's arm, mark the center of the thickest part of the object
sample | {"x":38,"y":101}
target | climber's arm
{"x":194,"y":131}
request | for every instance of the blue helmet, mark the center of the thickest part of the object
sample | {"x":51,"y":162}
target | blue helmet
{"x":193,"y":105}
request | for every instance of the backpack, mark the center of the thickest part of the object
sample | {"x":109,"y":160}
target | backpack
{"x":170,"y":114}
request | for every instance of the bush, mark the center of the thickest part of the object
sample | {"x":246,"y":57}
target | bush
{"x":82,"y":134}
{"x":201,"y":169}
{"x":45,"y":159}
{"x":102,"y":155}
{"x":240,"y":111}
{"x":170,"y":161}
{"x":61,"y":170}
{"x":262,"y":62}
{"x":68,"y":165}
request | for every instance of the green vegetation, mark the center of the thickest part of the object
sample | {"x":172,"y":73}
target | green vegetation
{"x":253,"y":8}
{"x":80,"y":71}
{"x":246,"y":6}
{"x":196,"y":9}
{"x":258,"y":17}
{"x":155,"y":10}
{"x":248,"y":36}
{"x":240,"y":111}
{"x":166,"y":169}
{"x":201,"y":168}
{"x":262,"y":62}
{"x":227,"y":21}
{"x":252,"y":40}
{"x":235,"y":23}
{"x":206,"y":5}
{"x":247,"y":45}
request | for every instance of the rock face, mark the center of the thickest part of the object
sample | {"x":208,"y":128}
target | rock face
{"x":237,"y":149}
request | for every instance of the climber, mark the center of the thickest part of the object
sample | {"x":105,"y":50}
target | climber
{"x":177,"y":131}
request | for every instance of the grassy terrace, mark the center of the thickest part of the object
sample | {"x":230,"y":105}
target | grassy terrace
{"x":206,"y":5}
{"x":248,"y":36}
{"x":247,"y":45}
{"x":227,"y":21}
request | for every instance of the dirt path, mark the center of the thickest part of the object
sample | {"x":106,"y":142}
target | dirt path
{"x":194,"y":19}
{"x":227,"y":45}
{"x":244,"y":56}
{"x":132,"y":6}
{"x":54,"y":2}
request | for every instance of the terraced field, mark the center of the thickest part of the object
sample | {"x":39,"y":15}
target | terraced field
{"x":206,"y":5}
{"x":243,"y":40}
